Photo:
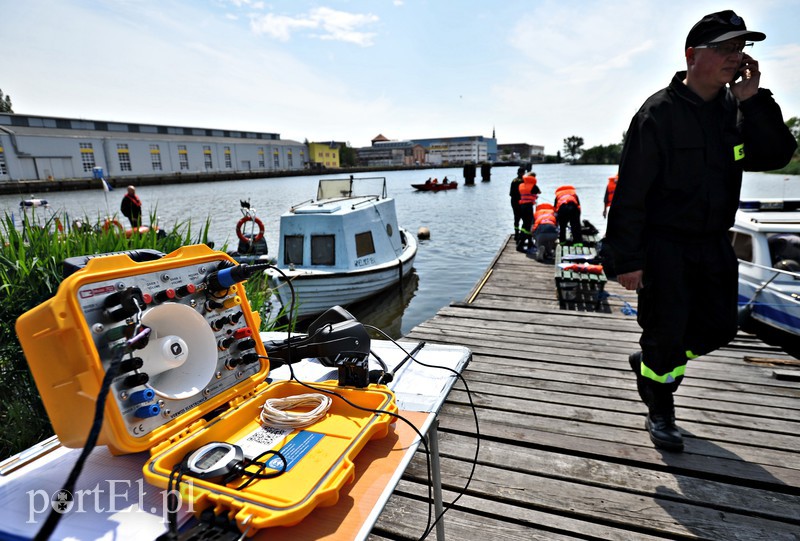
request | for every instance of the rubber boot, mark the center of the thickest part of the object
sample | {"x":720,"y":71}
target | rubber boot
{"x":660,"y":422}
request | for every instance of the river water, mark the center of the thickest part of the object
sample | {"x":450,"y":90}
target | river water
{"x":468,"y":225}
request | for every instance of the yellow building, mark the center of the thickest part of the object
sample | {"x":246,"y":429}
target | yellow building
{"x":325,"y":154}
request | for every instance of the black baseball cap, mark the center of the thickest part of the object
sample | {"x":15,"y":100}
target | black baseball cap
{"x":720,"y":26}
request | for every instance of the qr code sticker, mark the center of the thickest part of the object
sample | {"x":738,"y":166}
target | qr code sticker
{"x":262,"y":439}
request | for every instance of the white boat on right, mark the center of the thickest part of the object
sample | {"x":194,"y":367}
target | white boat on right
{"x":766,"y":239}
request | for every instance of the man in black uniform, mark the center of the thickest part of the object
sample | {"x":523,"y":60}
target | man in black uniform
{"x":678,"y":190}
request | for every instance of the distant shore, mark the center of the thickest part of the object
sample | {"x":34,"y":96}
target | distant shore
{"x":36,"y":187}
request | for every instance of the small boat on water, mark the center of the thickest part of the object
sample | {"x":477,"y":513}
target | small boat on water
{"x":33,"y":203}
{"x":766,"y":239}
{"x":342,"y":247}
{"x":435,"y":186}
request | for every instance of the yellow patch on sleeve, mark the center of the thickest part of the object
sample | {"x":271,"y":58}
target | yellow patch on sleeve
{"x":738,"y":152}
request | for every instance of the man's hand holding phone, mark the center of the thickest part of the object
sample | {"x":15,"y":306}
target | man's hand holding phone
{"x":745,"y":83}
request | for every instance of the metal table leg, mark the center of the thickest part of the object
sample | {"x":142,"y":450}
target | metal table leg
{"x":436,"y":473}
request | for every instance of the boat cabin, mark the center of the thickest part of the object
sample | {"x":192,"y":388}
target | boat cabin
{"x":340,"y":229}
{"x":767,"y":233}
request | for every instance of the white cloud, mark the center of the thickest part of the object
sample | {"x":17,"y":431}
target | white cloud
{"x":279,"y":27}
{"x":334,"y":25}
{"x":342,"y":26}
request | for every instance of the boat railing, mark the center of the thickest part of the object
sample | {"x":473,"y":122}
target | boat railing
{"x":795,"y":275}
{"x":335,"y":188}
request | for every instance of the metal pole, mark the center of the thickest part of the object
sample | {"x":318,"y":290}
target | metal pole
{"x":433,"y":442}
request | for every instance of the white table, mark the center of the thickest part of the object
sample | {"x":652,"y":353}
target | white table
{"x":116,"y":503}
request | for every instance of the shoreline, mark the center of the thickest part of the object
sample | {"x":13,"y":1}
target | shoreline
{"x":26,"y":187}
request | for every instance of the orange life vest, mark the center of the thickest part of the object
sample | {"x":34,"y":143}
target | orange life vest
{"x":544,"y":214}
{"x":526,"y":195}
{"x":566,"y":194}
{"x":611,"y":188}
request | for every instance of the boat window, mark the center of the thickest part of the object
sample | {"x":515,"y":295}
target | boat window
{"x":293,"y":250}
{"x":323,"y":250}
{"x":742,"y":245}
{"x":784,"y":247}
{"x":364,"y":244}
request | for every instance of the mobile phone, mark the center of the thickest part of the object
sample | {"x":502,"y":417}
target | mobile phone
{"x":739,"y":74}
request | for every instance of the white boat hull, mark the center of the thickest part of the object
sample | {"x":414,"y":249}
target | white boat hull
{"x":776,"y":305}
{"x":315,"y":291}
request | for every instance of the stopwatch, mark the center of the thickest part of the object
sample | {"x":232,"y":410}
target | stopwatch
{"x":215,"y":460}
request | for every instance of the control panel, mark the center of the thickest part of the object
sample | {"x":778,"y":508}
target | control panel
{"x":182,"y":345}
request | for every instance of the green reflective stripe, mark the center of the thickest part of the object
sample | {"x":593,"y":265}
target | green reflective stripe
{"x":690,"y":355}
{"x":738,"y":153}
{"x":666,"y":378}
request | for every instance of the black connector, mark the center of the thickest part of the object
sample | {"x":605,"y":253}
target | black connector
{"x":124,"y":304}
{"x":228,"y":276}
{"x":134,"y":380}
{"x":129,"y":365}
{"x":353,"y":369}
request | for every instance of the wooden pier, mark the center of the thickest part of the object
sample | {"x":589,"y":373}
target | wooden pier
{"x":563,"y":449}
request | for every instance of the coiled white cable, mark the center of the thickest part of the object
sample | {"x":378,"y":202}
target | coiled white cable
{"x":275,"y":410}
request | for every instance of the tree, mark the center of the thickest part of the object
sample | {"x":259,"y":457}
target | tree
{"x":347,"y":156}
{"x":573,"y":147}
{"x":607,"y":155}
{"x":794,"y":127}
{"x":5,"y":103}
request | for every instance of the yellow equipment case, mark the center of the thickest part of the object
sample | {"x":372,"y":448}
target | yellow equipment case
{"x":193,"y":372}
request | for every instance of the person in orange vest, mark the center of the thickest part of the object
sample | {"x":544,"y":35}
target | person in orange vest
{"x":513,"y":193}
{"x":528,"y":193}
{"x":545,"y":231}
{"x":568,"y":211}
{"x":609,"y":196}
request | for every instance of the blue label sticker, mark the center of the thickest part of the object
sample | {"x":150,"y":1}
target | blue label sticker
{"x":295,"y":450}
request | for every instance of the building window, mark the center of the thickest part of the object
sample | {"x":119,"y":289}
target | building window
{"x":228,"y":162}
{"x":261,"y":163}
{"x":124,"y":156}
{"x":155,"y":157}
{"x":289,"y":159}
{"x":87,"y":157}
{"x":323,"y":250}
{"x":3,"y":168}
{"x":183,"y":157}
{"x":275,"y":160}
{"x":293,"y":250}
{"x":207,"y":157}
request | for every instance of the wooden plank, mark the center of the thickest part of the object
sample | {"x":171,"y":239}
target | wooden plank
{"x":563,"y":450}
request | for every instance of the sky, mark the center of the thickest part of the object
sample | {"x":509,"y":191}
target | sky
{"x":532,"y":71}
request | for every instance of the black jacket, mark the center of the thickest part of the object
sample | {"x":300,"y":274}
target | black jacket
{"x":681,"y":168}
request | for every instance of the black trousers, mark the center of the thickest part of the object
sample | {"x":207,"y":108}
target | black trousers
{"x":517,"y":217}
{"x":526,"y":214}
{"x":689,"y":301}
{"x":569,"y":213}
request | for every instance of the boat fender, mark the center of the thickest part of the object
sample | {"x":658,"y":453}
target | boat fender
{"x":423,"y":233}
{"x":240,"y":226}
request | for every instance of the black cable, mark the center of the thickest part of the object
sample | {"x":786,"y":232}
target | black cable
{"x":50,"y":524}
{"x":396,"y":416}
{"x":474,"y":414}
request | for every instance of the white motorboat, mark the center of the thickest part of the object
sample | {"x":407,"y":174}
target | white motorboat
{"x":342,"y":247}
{"x":766,"y":238}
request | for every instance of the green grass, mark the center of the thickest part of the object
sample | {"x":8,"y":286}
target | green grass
{"x":31,"y":256}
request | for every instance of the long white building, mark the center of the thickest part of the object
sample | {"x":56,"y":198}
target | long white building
{"x":52,"y":148}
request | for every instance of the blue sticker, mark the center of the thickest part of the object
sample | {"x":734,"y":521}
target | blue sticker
{"x":295,"y":450}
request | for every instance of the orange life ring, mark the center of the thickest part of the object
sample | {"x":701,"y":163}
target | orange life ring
{"x":115,"y":223}
{"x":243,"y":221}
